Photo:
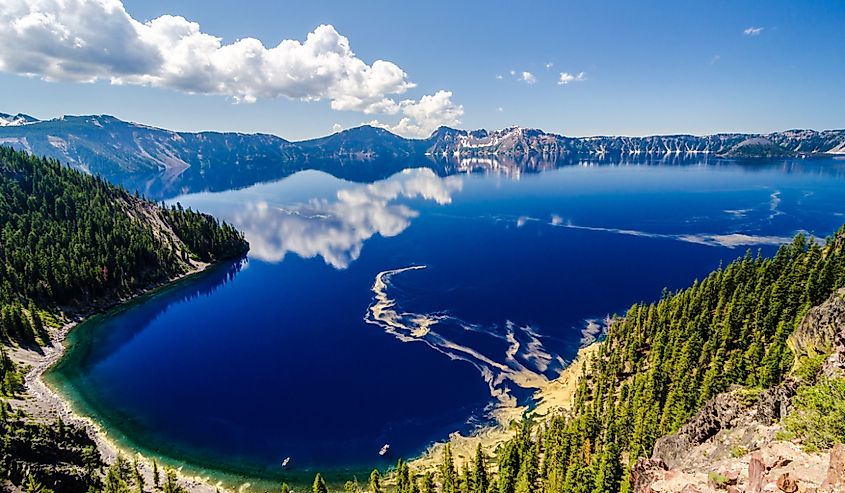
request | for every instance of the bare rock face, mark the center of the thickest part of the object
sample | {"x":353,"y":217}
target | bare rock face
{"x":835,"y":478}
{"x":823,"y":330}
{"x":775,"y":403}
{"x":779,"y":466}
{"x":720,"y":412}
{"x":787,"y":484}
{"x":835,"y":316}
{"x":644,"y":473}
{"x":756,"y":474}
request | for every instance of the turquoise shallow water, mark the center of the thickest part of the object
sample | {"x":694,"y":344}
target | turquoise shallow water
{"x":292,"y":352}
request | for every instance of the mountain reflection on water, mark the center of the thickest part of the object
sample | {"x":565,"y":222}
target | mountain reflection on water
{"x":335,"y":228}
{"x":171,"y":183}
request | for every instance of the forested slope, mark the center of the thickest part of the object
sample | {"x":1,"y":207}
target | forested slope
{"x":663,"y":360}
{"x":69,"y":239}
{"x":71,"y":242}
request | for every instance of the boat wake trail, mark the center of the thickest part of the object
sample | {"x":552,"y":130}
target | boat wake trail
{"x":509,"y":357}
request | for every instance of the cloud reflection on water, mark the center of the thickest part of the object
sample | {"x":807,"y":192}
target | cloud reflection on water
{"x":336,"y":229}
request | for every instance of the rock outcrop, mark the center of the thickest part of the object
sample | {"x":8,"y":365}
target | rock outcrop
{"x":776,"y":402}
{"x":732,"y":443}
{"x":779,"y":466}
{"x":835,"y":477}
{"x":823,"y":330}
{"x":718,"y":413}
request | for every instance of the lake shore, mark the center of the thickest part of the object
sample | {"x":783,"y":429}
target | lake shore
{"x":555,"y":397}
{"x":44,"y":404}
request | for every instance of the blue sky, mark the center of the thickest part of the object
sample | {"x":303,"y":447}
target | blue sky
{"x":648,"y":67}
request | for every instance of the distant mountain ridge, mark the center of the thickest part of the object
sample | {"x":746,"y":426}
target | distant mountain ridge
{"x":15,"y":120}
{"x":517,"y":140}
{"x":116,"y":149}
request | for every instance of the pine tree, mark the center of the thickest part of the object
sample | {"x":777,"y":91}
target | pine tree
{"x":137,"y":477}
{"x":609,"y":472}
{"x":375,"y":482}
{"x":403,"y":477}
{"x":91,"y":462}
{"x":156,"y":478}
{"x":480,"y":479}
{"x":465,"y":480}
{"x":171,"y":485}
{"x":527,"y":478}
{"x":427,"y":483}
{"x":33,"y":486}
{"x":448,"y":476}
{"x":319,"y":485}
{"x":113,"y":482}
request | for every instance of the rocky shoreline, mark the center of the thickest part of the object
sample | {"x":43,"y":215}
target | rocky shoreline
{"x":45,"y":405}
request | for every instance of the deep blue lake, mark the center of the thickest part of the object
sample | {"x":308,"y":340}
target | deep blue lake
{"x":293,"y":353}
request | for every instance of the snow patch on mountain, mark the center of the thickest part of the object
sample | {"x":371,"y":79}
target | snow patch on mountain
{"x":16,"y":120}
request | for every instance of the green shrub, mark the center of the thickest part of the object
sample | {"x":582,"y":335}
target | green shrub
{"x":717,"y":480}
{"x":738,"y":451}
{"x":818,"y":419}
{"x":808,"y":367}
{"x":747,"y":396}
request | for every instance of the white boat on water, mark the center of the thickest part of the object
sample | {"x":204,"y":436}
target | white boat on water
{"x":286,"y":462}
{"x":384,"y":449}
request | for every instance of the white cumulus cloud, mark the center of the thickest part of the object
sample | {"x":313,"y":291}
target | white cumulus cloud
{"x":91,"y":40}
{"x":421,"y":118}
{"x":528,"y":78}
{"x":566,"y":78}
{"x":753,"y":31}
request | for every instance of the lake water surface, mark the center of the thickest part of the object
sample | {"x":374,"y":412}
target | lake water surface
{"x":489,"y":282}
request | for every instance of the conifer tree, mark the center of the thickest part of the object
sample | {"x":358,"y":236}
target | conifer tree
{"x":527,"y":478}
{"x":156,"y":478}
{"x":375,"y":481}
{"x":319,"y":485}
{"x":480,"y":479}
{"x":427,"y":483}
{"x":448,"y":476}
{"x":171,"y":485}
{"x":403,"y":477}
{"x":137,"y":477}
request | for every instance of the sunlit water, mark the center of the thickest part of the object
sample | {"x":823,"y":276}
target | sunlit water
{"x":402,"y":310}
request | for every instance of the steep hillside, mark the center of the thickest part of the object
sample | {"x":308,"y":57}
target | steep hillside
{"x":72,"y":243}
{"x":102,"y":144}
{"x":786,"y":438}
{"x":69,"y":240}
